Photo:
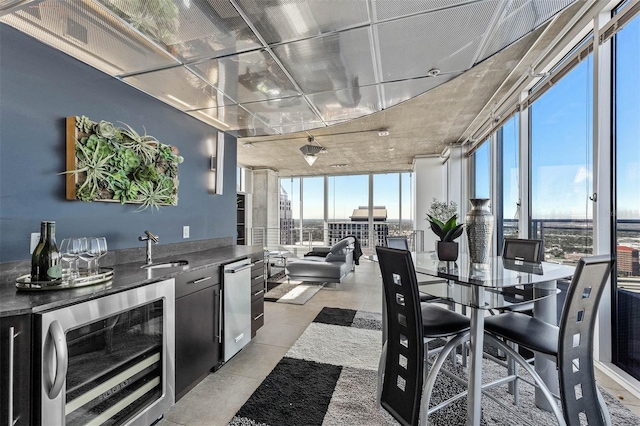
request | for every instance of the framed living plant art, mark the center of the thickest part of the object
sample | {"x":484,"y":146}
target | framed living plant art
{"x":107,"y":163}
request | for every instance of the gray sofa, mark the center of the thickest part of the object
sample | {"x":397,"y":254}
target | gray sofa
{"x":332,"y":267}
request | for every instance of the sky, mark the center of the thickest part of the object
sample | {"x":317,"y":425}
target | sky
{"x":562,"y":153}
{"x":562,"y":146}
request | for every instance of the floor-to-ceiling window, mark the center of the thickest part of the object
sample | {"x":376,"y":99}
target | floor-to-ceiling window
{"x":386,"y":187}
{"x":289,"y":212}
{"x":347,"y":194}
{"x":407,"y":224}
{"x":313,"y":210}
{"x":482,"y":171}
{"x":627,"y":177}
{"x":561,"y":164}
{"x":509,"y":198}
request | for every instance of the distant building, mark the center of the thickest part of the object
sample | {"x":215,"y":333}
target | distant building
{"x":627,"y":261}
{"x":286,"y":218}
{"x":361,"y":214}
{"x":359,"y":227}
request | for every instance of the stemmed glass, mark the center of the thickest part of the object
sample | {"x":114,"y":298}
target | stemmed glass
{"x":88,"y":252}
{"x":70,"y":251}
{"x":102,"y":251}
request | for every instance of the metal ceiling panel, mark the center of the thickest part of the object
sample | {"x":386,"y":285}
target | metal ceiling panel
{"x":188,"y":29}
{"x":89,"y":33}
{"x":247,"y":77}
{"x":283,"y":112}
{"x":399,"y":91}
{"x":179,"y":87}
{"x":288,"y":20}
{"x":390,"y":9}
{"x":520,"y":18}
{"x":233,"y":116}
{"x":331,"y":62}
{"x":446,"y":39}
{"x":348,"y":103}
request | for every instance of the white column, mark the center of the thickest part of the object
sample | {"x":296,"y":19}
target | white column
{"x":325,"y":223}
{"x":429,"y":182}
{"x":265,"y":208}
{"x":457,"y":184}
{"x":602,"y":154}
{"x":524,"y":168}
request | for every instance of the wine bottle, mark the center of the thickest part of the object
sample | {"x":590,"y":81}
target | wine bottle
{"x":45,"y":261}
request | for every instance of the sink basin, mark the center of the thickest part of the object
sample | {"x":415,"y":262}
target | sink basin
{"x":169,"y":264}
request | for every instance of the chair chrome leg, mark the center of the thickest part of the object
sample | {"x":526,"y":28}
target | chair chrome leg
{"x":381,"y":369}
{"x":536,"y":377}
{"x":512,"y":369}
{"x":427,"y":388}
{"x":605,"y":411}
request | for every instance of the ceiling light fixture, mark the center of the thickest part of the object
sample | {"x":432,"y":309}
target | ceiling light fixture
{"x":383,"y":132}
{"x":339,"y":166}
{"x":248,"y":145}
{"x":310,"y":152}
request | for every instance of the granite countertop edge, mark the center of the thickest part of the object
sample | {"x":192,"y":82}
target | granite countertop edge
{"x":125,"y":276}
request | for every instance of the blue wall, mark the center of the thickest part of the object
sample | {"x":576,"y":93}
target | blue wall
{"x":39,"y":87}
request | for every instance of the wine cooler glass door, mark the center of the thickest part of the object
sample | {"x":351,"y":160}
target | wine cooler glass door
{"x":112,"y":369}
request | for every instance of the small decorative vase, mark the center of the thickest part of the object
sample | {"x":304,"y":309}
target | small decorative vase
{"x":479,"y":226}
{"x":447,"y":250}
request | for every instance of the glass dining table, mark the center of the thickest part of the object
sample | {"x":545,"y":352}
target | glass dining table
{"x":496,"y":284}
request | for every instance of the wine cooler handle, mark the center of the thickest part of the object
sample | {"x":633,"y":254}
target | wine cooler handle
{"x":12,"y":337}
{"x":220,"y":319}
{"x":62,"y":358}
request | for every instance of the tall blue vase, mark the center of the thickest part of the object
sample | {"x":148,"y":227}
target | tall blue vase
{"x":479,"y":227}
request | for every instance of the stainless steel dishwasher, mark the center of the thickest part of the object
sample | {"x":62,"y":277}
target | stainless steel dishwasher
{"x":236,"y":297}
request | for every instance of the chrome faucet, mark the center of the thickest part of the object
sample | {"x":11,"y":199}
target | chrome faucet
{"x":148,"y":237}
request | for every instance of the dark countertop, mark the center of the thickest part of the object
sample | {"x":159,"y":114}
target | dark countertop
{"x":125,"y":276}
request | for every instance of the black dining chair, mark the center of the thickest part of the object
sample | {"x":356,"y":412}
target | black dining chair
{"x":571,"y":343}
{"x":410,"y":324}
{"x":401,"y":243}
{"x":526,"y":250}
{"x":398,"y":242}
{"x":521,"y":250}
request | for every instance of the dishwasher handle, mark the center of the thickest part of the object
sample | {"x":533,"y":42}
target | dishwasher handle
{"x":236,"y":270}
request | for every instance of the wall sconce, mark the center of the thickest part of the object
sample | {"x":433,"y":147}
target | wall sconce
{"x":216,"y":164}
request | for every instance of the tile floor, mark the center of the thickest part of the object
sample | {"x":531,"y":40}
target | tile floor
{"x":217,"y":398}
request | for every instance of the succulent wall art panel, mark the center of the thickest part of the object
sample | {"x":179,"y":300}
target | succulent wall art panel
{"x":118,"y":164}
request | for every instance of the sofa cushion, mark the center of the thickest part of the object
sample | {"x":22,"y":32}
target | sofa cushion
{"x":320,"y":270}
{"x":342,"y":246}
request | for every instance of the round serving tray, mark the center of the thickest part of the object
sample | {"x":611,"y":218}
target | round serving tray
{"x":24,"y":282}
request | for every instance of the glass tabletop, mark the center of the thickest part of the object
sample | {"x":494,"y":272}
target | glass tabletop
{"x":493,"y":298}
{"x":497,"y":273}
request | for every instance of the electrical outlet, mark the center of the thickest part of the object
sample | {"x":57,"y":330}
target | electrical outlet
{"x":185,"y":232}
{"x":35,"y":239}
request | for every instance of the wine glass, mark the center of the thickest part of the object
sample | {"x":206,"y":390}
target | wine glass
{"x":69,"y":252}
{"x":85,"y":252}
{"x":93,"y":253}
{"x":102,"y":251}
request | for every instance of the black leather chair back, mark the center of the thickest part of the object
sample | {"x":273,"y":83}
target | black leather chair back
{"x":575,"y":346}
{"x":398,"y":243}
{"x":522,"y":249}
{"x":403,"y":378}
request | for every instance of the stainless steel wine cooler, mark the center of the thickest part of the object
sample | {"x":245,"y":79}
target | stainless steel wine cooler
{"x":108,"y":361}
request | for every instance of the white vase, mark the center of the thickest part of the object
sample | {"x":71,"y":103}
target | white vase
{"x":479,"y":227}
